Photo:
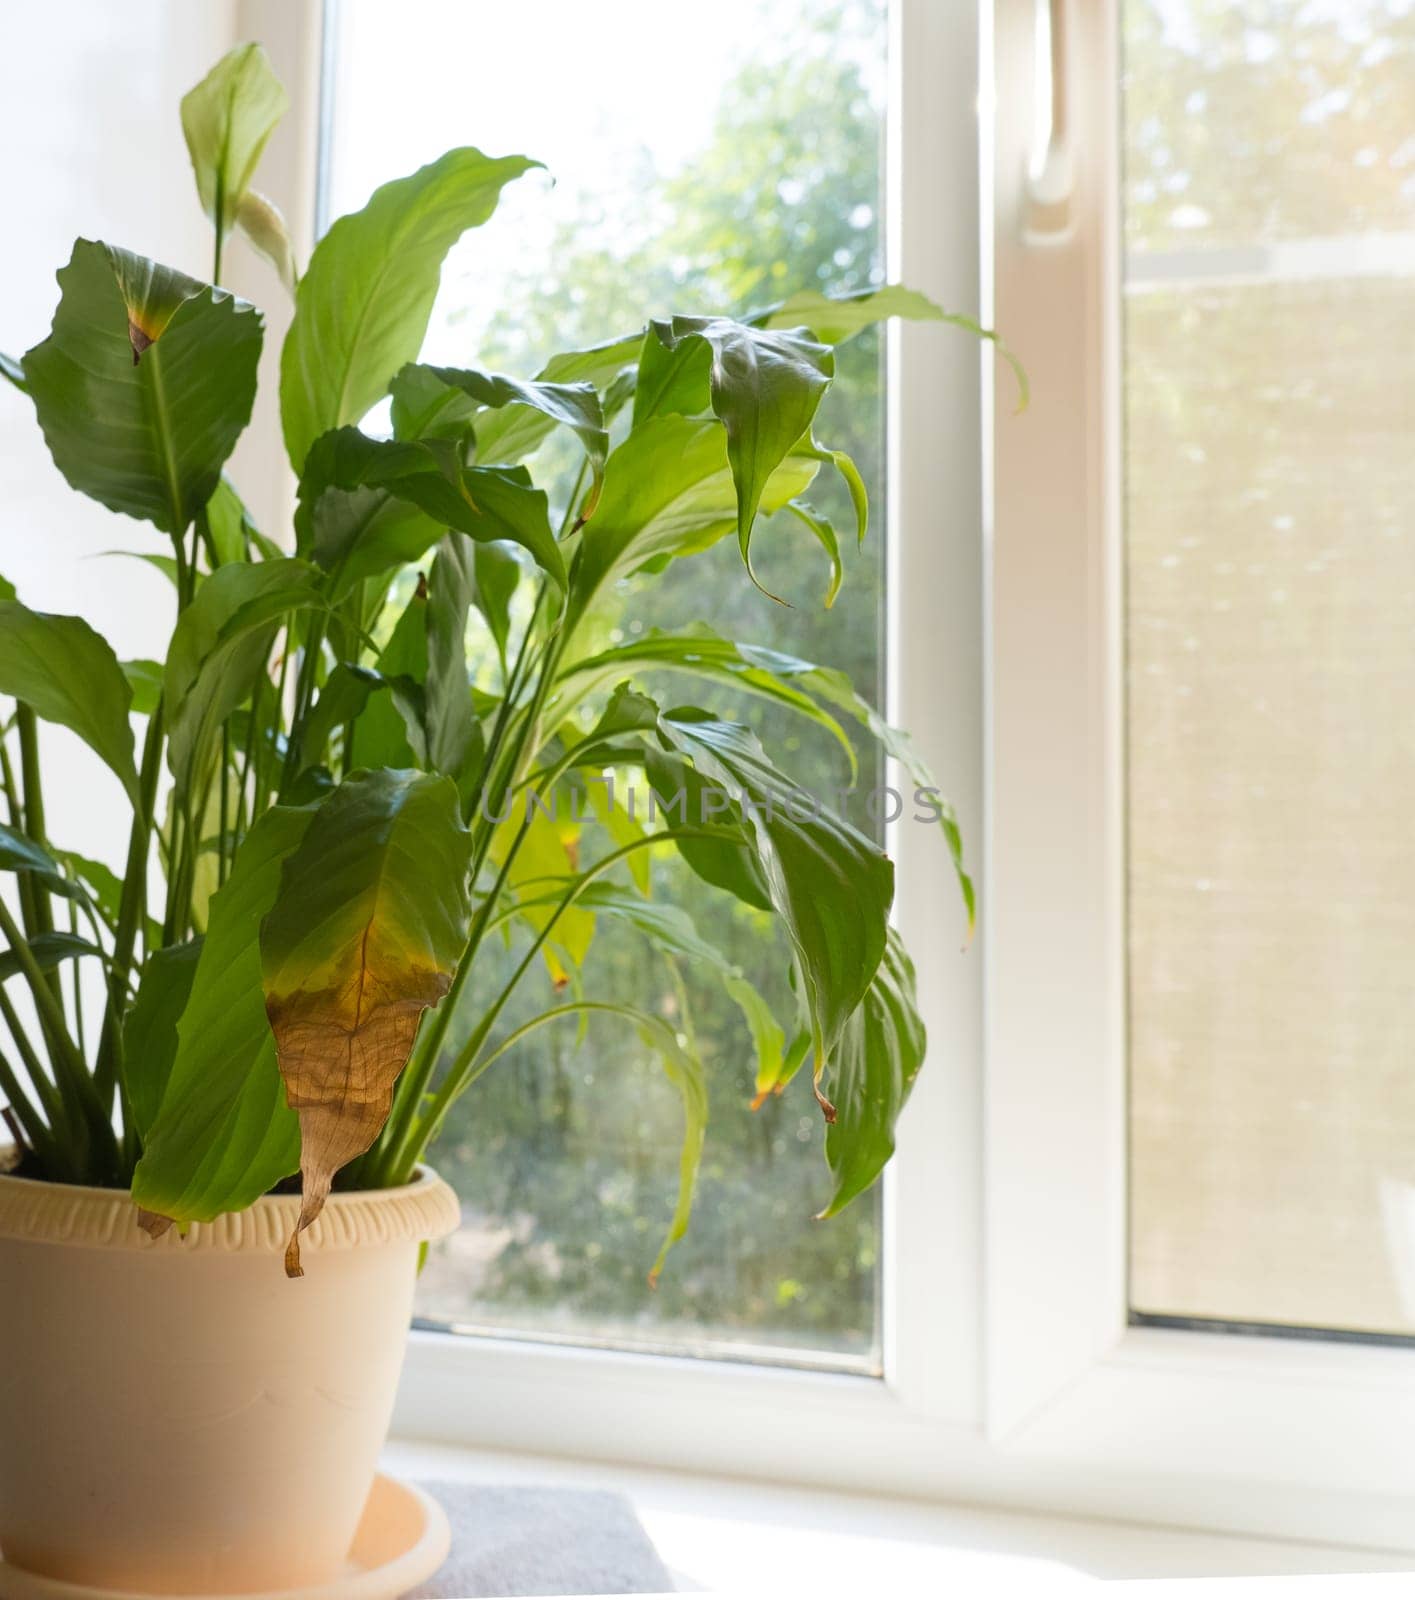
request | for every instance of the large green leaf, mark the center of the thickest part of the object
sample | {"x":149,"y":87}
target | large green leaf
{"x":880,"y":1051}
{"x":226,"y":121}
{"x":224,"y":1135}
{"x":144,"y":384}
{"x":150,"y":1028}
{"x":668,"y":491}
{"x":69,"y":674}
{"x":218,"y":651}
{"x":423,"y":397}
{"x":765,"y":388}
{"x":831,"y":886}
{"x":361,"y":538}
{"x":362,"y":306}
{"x":370,"y":922}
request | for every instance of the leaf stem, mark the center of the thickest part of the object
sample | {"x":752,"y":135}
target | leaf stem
{"x":49,"y":1096}
{"x":131,"y":908}
{"x":36,"y":1131}
{"x":51,"y":1014}
{"x":418,"y":1135}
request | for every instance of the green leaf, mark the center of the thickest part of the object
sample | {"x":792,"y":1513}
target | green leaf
{"x":382,"y":733}
{"x":831,"y":886}
{"x":145,"y":680}
{"x":685,"y":1072}
{"x":879,"y":1054}
{"x":726,"y":859}
{"x":69,"y":674}
{"x":823,"y":530}
{"x":674,"y":377}
{"x":668,"y":491}
{"x":150,"y":1028}
{"x":765,"y":389}
{"x":48,"y":950}
{"x":229,"y":525}
{"x":362,"y":307}
{"x":570,"y":405}
{"x":834,"y":686}
{"x":369,"y":924}
{"x":836,"y":318}
{"x":768,"y":1036}
{"x":700,"y":653}
{"x":19,"y":853}
{"x":226,"y":121}
{"x":341,"y":701}
{"x":486,"y":503}
{"x":424,"y":407}
{"x":454,"y":741}
{"x":14,"y":372}
{"x":144,"y":384}
{"x":511,"y":434}
{"x":497,"y":573}
{"x":833,"y":320}
{"x":854,"y":483}
{"x":224,"y":1135}
{"x":219,"y":649}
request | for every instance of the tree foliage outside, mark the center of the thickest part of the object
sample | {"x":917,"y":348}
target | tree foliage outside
{"x":564,"y":1186}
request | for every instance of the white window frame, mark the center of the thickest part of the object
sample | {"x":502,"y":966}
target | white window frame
{"x":1011,"y":1373}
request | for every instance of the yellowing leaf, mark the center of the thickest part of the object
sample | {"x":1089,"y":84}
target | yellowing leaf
{"x":364,"y":935}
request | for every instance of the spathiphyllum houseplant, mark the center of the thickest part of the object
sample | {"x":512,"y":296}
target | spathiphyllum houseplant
{"x":333,"y":811}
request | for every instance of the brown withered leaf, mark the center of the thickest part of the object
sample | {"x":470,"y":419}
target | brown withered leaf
{"x":340,"y":1051}
{"x":365,"y":933}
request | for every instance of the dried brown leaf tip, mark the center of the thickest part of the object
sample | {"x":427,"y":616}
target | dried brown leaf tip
{"x":340,"y":1052}
{"x":152,"y":1223}
{"x":364,"y":935}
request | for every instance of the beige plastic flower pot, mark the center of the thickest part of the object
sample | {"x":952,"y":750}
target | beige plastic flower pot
{"x":176,"y":1416}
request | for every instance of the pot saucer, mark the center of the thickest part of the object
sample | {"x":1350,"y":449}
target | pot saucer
{"x":402,"y":1539}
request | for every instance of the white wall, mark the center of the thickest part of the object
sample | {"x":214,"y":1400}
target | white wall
{"x":93,"y":146}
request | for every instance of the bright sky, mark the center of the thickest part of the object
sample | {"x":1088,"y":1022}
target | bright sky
{"x":582,"y":85}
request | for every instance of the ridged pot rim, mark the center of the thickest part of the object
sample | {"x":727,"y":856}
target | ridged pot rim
{"x":39,"y":1212}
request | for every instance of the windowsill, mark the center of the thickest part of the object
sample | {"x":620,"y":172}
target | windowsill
{"x":729,"y":1536}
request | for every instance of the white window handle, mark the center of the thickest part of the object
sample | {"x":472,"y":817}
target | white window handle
{"x":1047,"y":208}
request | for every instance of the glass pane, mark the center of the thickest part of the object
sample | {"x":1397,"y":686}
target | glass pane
{"x":1269,"y":199}
{"x":705,"y":157}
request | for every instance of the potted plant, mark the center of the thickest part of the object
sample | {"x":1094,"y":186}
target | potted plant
{"x":331,"y":815}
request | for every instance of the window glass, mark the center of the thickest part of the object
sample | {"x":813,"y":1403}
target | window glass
{"x":1269,"y":232}
{"x":704,"y":158}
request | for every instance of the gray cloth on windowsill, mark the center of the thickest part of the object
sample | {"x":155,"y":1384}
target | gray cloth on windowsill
{"x":527,"y":1541}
